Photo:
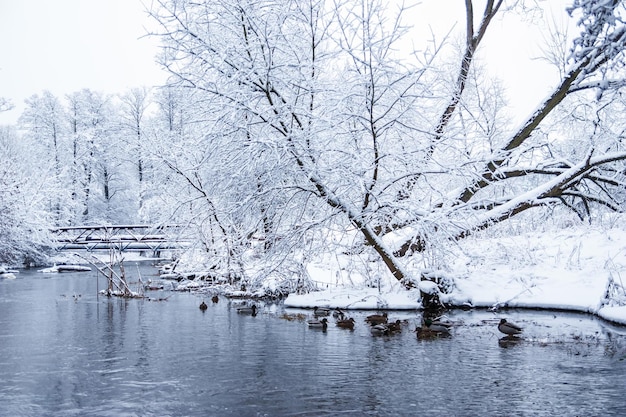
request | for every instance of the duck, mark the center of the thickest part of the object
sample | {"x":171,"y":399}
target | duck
{"x":432,"y":331}
{"x":321,"y":312}
{"x":346,"y":323}
{"x":250,"y":311}
{"x":509,"y":328}
{"x":445,"y":322}
{"x":338,"y":314}
{"x":318,"y":324}
{"x":395,"y":326}
{"x":437,"y":326}
{"x":215,"y":299}
{"x":426,"y":333}
{"x":379,"y":329}
{"x":203,"y":306}
{"x":377,"y":318}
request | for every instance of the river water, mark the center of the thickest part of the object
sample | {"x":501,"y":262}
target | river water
{"x":65,"y":351}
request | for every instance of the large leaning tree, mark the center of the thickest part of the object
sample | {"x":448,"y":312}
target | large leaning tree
{"x":317,"y":116}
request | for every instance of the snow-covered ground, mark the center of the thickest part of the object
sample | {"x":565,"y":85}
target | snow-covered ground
{"x":580,"y":269}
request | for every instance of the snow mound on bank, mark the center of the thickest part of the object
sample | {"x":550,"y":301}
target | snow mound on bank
{"x":364,"y":299}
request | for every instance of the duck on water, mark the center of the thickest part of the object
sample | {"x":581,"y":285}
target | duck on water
{"x":508,"y":328}
{"x":432,"y":330}
{"x":318,"y":324}
{"x":346,"y":323}
{"x":375,"y":319}
{"x":249,"y":311}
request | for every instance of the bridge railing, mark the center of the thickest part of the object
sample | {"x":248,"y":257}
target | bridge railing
{"x":121,"y":237}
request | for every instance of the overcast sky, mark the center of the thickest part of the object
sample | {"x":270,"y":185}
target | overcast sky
{"x":66,"y":45}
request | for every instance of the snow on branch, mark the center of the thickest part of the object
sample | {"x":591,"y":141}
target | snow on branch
{"x":602,"y":27}
{"x":554,"y":188}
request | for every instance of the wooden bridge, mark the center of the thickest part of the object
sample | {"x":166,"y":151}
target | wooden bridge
{"x":121,"y":238}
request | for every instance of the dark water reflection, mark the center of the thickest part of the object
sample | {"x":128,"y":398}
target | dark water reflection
{"x":95,"y":356}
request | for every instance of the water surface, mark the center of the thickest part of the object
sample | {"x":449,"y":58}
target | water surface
{"x":64,"y":351}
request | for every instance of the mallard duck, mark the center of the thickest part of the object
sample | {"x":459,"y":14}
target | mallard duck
{"x":346,"y":323}
{"x":318,"y":324}
{"x":508,"y":328}
{"x":203,"y":306}
{"x":379,"y":329}
{"x":377,"y":318}
{"x":338,"y":314}
{"x":321,"y":312}
{"x":426,"y":333}
{"x":250,"y":311}
{"x":429,"y":330}
{"x":437,"y":326}
{"x":395,"y":326}
{"x":215,"y":299}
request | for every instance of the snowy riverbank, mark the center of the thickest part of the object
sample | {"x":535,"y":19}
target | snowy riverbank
{"x":574,"y":269}
{"x":581,"y":268}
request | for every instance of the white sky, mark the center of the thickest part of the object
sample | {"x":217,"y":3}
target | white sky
{"x":511,"y":48}
{"x":66,"y":45}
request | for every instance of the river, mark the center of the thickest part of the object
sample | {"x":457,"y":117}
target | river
{"x":67,"y":351}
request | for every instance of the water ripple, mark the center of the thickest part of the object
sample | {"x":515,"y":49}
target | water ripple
{"x":111,"y":357}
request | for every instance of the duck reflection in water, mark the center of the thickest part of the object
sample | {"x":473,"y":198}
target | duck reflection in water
{"x":509,"y":341}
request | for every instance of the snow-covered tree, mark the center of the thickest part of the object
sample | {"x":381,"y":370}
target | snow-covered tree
{"x":98,"y":157}
{"x":134,"y":115}
{"x":310,"y":113}
{"x":43,"y":120}
{"x":24,"y":221}
{"x":5,"y":104}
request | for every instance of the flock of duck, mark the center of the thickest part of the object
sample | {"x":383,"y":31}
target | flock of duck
{"x":214,"y":299}
{"x":379,"y":323}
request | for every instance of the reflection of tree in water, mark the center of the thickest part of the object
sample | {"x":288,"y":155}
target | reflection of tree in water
{"x":611,"y":344}
{"x":573,"y":344}
{"x":615,"y":345}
